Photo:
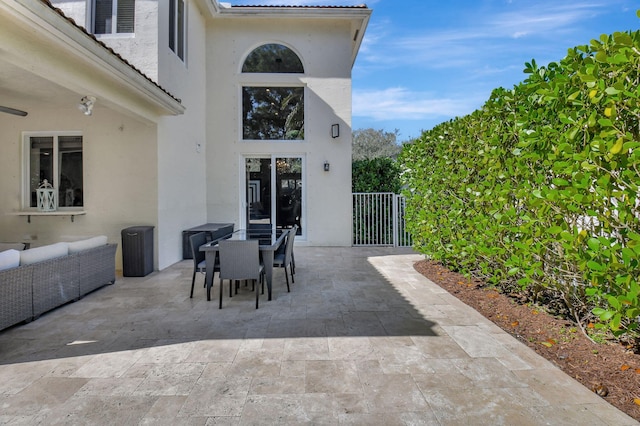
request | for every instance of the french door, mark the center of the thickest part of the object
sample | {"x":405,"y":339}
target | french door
{"x":274,"y":188}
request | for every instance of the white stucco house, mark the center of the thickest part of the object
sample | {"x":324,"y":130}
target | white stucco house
{"x":174,"y":113}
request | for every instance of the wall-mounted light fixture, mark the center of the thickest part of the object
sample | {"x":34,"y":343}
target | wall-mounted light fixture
{"x":335,"y":130}
{"x":86,"y":104}
{"x":327,"y":166}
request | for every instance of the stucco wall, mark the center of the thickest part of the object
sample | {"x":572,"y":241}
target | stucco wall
{"x":179,"y":159}
{"x":324,"y":47}
{"x":120,"y":174}
{"x":182,"y":139}
{"x":140,"y":48}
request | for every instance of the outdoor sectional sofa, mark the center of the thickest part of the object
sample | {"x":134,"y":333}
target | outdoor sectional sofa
{"x":37,"y":280}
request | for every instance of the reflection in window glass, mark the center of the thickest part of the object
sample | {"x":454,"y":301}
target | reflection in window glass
{"x":70,"y":173}
{"x":273,"y":113}
{"x":177,"y":27}
{"x":289,"y":193}
{"x":287,"y":187}
{"x":40,"y":164}
{"x":58,"y":159}
{"x":113,"y":16}
{"x":273,"y":58}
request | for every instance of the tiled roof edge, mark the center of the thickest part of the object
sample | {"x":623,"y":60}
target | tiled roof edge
{"x":109,"y":49}
{"x":360,"y":6}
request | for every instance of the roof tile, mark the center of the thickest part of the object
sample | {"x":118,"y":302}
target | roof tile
{"x":103,"y":45}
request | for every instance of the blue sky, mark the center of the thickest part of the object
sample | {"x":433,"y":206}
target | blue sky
{"x":423,"y":62}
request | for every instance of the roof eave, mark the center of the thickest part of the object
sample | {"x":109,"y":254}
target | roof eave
{"x":209,"y":8}
{"x":73,"y":38}
{"x":360,"y":15}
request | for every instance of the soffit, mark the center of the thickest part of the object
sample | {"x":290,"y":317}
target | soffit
{"x":358,"y":16}
{"x":46,"y":56}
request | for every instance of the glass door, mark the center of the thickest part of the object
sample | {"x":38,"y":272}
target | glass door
{"x":274,"y":193}
{"x":258,"y":193}
{"x":288,"y":192}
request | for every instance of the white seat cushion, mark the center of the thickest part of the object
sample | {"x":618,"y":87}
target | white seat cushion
{"x":38,"y":254}
{"x":89,"y":243}
{"x":9,"y":259}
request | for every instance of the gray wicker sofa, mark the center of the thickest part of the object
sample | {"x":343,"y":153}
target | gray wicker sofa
{"x":37,"y":286}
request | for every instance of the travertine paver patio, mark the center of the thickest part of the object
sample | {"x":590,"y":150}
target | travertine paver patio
{"x":361,"y":339}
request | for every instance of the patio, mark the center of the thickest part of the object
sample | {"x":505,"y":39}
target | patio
{"x":361,"y":339}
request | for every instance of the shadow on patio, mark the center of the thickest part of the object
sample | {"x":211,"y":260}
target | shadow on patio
{"x":361,"y":339}
{"x":338,"y":292}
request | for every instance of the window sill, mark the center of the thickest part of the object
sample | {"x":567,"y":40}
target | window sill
{"x":70,"y":213}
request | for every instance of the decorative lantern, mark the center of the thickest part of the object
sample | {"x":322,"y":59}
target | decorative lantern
{"x":46,"y":197}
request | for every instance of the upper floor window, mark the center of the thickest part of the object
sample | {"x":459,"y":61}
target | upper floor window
{"x":273,"y":58}
{"x":273,"y":112}
{"x":56,"y":157}
{"x":113,"y":16}
{"x":177,"y":27}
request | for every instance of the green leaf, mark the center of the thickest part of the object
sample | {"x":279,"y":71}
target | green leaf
{"x":615,"y":303}
{"x":513,"y":271}
{"x":617,"y":147}
{"x":601,"y":56}
{"x":555,"y":230}
{"x":606,"y":315}
{"x":587,"y":78}
{"x":574,"y":95}
{"x":633,"y":236}
{"x":594,"y":244}
{"x":615,"y":322}
{"x":595,"y":266}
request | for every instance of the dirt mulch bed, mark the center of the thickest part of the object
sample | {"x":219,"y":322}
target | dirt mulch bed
{"x":611,"y":370}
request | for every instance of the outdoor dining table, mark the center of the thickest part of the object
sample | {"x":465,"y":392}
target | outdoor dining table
{"x":269,"y":242}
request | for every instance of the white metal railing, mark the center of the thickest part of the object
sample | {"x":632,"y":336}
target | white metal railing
{"x":378,"y":220}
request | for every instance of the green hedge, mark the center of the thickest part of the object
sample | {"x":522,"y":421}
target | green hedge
{"x":538,"y":191}
{"x":375,"y":175}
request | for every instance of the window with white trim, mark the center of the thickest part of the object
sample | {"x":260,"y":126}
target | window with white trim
{"x":113,"y":16}
{"x":56,"y":157}
{"x":273,"y":58}
{"x":273,"y":112}
{"x":177,"y":27}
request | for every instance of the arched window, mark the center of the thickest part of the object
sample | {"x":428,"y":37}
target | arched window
{"x":273,"y":112}
{"x":272,"y":58}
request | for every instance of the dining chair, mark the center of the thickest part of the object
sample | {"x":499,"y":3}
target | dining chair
{"x":199,"y":263}
{"x":240,"y":260}
{"x":284,"y":259}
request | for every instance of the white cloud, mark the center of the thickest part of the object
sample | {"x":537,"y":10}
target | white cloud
{"x":492,"y":33}
{"x":398,"y":103}
{"x":540,"y":19}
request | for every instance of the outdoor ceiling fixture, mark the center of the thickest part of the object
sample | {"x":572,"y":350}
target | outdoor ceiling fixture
{"x":335,"y":130}
{"x":12,"y":111}
{"x":327,"y":166}
{"x":86,"y":104}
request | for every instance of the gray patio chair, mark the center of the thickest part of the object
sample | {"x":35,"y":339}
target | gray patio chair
{"x":199,"y":264}
{"x":240,"y":260}
{"x":283,"y":246}
{"x":282,"y":260}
